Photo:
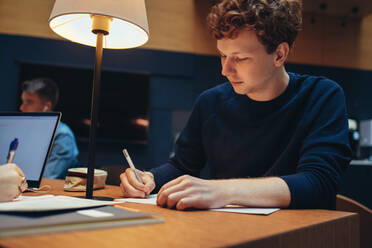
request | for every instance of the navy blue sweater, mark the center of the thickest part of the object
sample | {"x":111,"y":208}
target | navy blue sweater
{"x":300,"y":136}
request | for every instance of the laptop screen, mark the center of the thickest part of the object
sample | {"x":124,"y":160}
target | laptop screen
{"x":35,"y":133}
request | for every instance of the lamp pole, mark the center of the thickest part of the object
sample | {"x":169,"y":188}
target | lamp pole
{"x":69,"y":20}
{"x":94,"y":115}
{"x":100,"y":27}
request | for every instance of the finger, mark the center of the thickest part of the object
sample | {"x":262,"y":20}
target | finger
{"x":16,"y":180}
{"x":150,"y":186}
{"x":122,"y":189}
{"x":17,"y":169}
{"x":132,"y":179}
{"x":172,"y":183}
{"x":124,"y":184}
{"x":163,"y":197}
{"x":24,"y":184}
{"x":175,"y":197}
{"x":122,"y":175}
{"x":130,"y":191}
{"x":14,"y":191}
{"x":188,"y":202}
{"x":149,"y":183}
{"x":146,"y":180}
{"x":18,"y":192}
{"x":140,"y":173}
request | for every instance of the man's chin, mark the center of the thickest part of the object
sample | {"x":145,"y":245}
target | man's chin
{"x":239,"y":91}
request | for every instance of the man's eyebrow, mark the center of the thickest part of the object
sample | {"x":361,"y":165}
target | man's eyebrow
{"x":221,"y":53}
{"x":234,"y":53}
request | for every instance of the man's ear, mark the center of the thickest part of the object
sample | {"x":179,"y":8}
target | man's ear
{"x":47,"y":106}
{"x":281,"y":54}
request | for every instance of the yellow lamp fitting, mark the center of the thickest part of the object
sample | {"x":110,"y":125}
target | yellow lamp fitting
{"x":101,"y":24}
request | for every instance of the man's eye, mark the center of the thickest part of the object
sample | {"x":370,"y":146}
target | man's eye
{"x":240,"y":59}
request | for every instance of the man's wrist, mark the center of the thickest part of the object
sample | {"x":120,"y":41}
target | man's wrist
{"x":228,"y":190}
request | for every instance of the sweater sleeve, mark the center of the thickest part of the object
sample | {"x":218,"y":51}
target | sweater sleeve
{"x":324,"y":155}
{"x":189,"y":155}
{"x":63,"y":156}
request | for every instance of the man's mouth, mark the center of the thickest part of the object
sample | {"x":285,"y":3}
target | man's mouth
{"x":236,"y":82}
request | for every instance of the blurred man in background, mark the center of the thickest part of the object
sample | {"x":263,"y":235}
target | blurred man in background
{"x":41,"y":95}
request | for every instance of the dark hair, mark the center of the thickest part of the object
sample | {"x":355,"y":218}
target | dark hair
{"x":274,"y":21}
{"x":46,"y":89}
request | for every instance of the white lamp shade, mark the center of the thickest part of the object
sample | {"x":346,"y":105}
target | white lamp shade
{"x":72,"y":20}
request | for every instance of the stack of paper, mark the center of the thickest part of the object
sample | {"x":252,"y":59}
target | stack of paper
{"x":50,"y":203}
{"x":47,"y":214}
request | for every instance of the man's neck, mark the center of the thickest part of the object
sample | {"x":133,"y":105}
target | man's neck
{"x":273,"y":88}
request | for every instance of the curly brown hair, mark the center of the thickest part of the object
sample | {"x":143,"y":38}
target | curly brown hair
{"x":274,"y":21}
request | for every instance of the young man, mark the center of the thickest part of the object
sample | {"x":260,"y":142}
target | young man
{"x":41,"y":95}
{"x":270,"y":138}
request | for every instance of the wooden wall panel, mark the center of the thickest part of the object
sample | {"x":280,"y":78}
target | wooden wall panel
{"x":341,"y":43}
{"x":25,"y":17}
{"x":171,"y":25}
{"x":364,"y":56}
{"x":204,"y":43}
{"x":307,"y":48}
{"x":179,"y":25}
{"x":326,"y":42}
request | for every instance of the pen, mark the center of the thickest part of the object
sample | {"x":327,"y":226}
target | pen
{"x":127,"y":157}
{"x":12,"y":149}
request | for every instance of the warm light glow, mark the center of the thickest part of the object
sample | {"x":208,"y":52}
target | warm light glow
{"x":77,"y":28}
{"x":140,"y":122}
{"x":124,"y":20}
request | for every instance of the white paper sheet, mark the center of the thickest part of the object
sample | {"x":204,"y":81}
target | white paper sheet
{"x":50,"y":203}
{"x":232,"y":209}
{"x":32,"y":198}
{"x":94,"y":213}
{"x":263,"y":211}
{"x":150,"y":200}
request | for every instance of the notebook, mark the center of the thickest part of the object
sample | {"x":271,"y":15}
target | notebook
{"x":16,"y":224}
{"x":35,"y":133}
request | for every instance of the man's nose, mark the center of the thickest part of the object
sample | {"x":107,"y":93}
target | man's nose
{"x":21,"y":108}
{"x":227,"y":67}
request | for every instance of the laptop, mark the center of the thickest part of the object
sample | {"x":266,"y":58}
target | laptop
{"x":35,"y":133}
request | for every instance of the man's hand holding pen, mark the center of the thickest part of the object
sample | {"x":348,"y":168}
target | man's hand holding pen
{"x":135,"y":183}
{"x":131,"y":187}
{"x":12,"y":182}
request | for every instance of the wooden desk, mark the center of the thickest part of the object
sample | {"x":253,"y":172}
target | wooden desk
{"x":285,"y":228}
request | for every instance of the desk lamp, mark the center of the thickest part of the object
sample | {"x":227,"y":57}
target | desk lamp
{"x":115,"y":24}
